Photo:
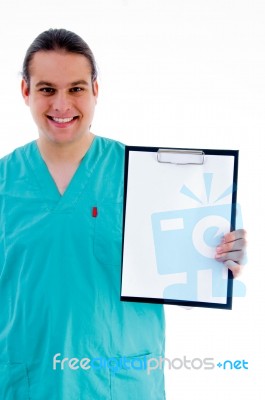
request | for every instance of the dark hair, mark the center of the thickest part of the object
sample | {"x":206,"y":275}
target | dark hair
{"x":58,"y":39}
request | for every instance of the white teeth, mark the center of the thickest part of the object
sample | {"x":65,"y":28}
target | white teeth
{"x":62,"y":120}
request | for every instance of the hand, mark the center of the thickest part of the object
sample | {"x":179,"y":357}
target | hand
{"x":231,"y":251}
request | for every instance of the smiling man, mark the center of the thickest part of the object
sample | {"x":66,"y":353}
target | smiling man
{"x":61,"y":200}
{"x":61,"y":93}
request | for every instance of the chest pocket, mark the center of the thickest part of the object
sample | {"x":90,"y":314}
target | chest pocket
{"x":108,"y":233}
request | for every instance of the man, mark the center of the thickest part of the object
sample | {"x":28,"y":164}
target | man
{"x":64,"y":334}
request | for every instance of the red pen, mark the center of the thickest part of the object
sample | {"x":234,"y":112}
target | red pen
{"x":94,"y":212}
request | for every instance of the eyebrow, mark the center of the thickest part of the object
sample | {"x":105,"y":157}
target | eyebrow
{"x":76,"y":83}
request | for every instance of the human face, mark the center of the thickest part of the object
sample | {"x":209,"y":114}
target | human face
{"x":61,"y":97}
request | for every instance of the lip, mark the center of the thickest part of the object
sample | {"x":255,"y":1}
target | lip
{"x":62,"y":122}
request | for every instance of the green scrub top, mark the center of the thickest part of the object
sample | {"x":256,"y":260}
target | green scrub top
{"x":60,"y":271}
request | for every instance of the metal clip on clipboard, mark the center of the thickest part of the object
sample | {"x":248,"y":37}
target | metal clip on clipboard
{"x":180,"y":157}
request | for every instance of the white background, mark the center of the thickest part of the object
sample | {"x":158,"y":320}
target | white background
{"x":183,"y":73}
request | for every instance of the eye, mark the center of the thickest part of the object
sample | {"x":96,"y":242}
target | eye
{"x":76,"y":89}
{"x":47,"y":90}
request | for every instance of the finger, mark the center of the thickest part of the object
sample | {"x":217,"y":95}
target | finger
{"x":234,"y":267}
{"x":236,"y":256}
{"x":231,"y":246}
{"x":235,"y":235}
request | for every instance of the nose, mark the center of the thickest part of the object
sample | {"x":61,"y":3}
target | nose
{"x":61,"y":102}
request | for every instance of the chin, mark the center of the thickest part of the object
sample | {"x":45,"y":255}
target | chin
{"x":62,"y":138}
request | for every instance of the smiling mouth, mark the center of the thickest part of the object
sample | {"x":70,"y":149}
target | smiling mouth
{"x":61,"y":120}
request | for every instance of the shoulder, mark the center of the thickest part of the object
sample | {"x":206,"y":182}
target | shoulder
{"x":110,"y":147}
{"x":111,"y":143}
{"x":12,"y":162}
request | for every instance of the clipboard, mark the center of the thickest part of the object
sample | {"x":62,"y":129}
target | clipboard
{"x":178,"y":203}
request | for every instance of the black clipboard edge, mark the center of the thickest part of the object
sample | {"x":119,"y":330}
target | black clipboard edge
{"x":200,"y":304}
{"x":228,"y":304}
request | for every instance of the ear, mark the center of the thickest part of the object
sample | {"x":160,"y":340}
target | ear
{"x":95,"y":88}
{"x":25,"y":91}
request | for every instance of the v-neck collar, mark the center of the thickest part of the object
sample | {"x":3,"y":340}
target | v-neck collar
{"x":55,"y":201}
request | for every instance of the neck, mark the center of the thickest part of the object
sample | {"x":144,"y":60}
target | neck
{"x":66,"y":153}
